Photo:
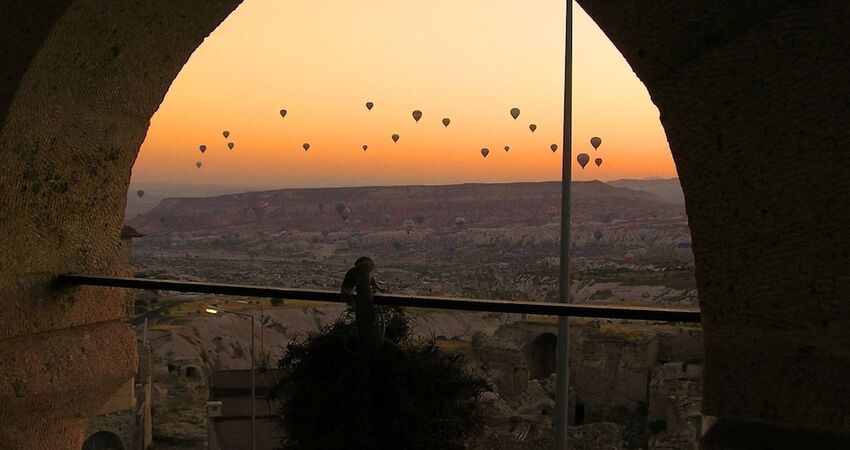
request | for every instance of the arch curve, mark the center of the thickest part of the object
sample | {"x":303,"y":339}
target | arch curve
{"x":103,"y":440}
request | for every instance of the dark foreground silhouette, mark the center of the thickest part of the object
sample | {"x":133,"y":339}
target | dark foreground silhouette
{"x":366,"y":384}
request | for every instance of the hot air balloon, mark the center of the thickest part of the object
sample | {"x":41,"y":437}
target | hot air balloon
{"x":395,"y":138}
{"x":345,"y":213}
{"x":554,"y":147}
{"x":230,"y":145}
{"x":598,"y":162}
{"x":485,"y":151}
{"x":226,"y":134}
{"x":202,"y":148}
{"x":595,"y":142}
{"x":369,"y":105}
{"x":583,"y":159}
{"x":198,"y":164}
{"x":282,"y":113}
{"x":306,"y":146}
{"x":446,"y":121}
{"x":140,"y":193}
{"x":514,"y":112}
{"x":507,"y":148}
{"x":365,"y":147}
{"x":597,"y":235}
{"x":532,"y":127}
{"x":629,"y":257}
{"x":417,"y":114}
{"x":460,"y":222}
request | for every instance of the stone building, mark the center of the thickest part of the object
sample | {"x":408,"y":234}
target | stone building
{"x":229,"y":410}
{"x":124,"y":421}
{"x":753,"y":97}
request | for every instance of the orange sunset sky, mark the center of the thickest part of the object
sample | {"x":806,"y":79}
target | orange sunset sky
{"x":468,"y":60}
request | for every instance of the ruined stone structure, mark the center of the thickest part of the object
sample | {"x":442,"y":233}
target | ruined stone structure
{"x":753,"y":97}
{"x":644,"y":377}
{"x":126,"y":415}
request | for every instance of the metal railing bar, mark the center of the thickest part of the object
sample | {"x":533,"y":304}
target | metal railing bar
{"x":449,"y":303}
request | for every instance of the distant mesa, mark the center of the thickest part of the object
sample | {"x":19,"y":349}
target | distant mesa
{"x":530,"y":204}
{"x":669,"y":190}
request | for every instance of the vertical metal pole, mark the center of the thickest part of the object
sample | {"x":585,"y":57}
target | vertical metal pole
{"x":253,"y":392}
{"x":262,"y":347}
{"x":563,"y":380}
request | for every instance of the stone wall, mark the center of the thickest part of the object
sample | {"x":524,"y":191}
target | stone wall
{"x":80,"y":82}
{"x":754,"y":100}
{"x":121,"y":424}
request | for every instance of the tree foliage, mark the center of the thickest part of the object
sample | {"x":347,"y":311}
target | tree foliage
{"x":408,"y":395}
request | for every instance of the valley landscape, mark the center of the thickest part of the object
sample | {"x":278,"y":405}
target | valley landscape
{"x":499,"y":241}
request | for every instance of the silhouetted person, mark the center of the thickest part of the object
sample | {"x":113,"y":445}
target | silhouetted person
{"x":357,"y":289}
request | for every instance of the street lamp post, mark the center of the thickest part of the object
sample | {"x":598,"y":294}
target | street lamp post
{"x":262,"y":325}
{"x":212,"y":309}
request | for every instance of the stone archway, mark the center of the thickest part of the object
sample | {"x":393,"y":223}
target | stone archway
{"x":103,"y":440}
{"x":753,"y":97}
{"x":542,"y":356}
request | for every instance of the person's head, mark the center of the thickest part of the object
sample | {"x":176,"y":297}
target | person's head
{"x":365,"y":262}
